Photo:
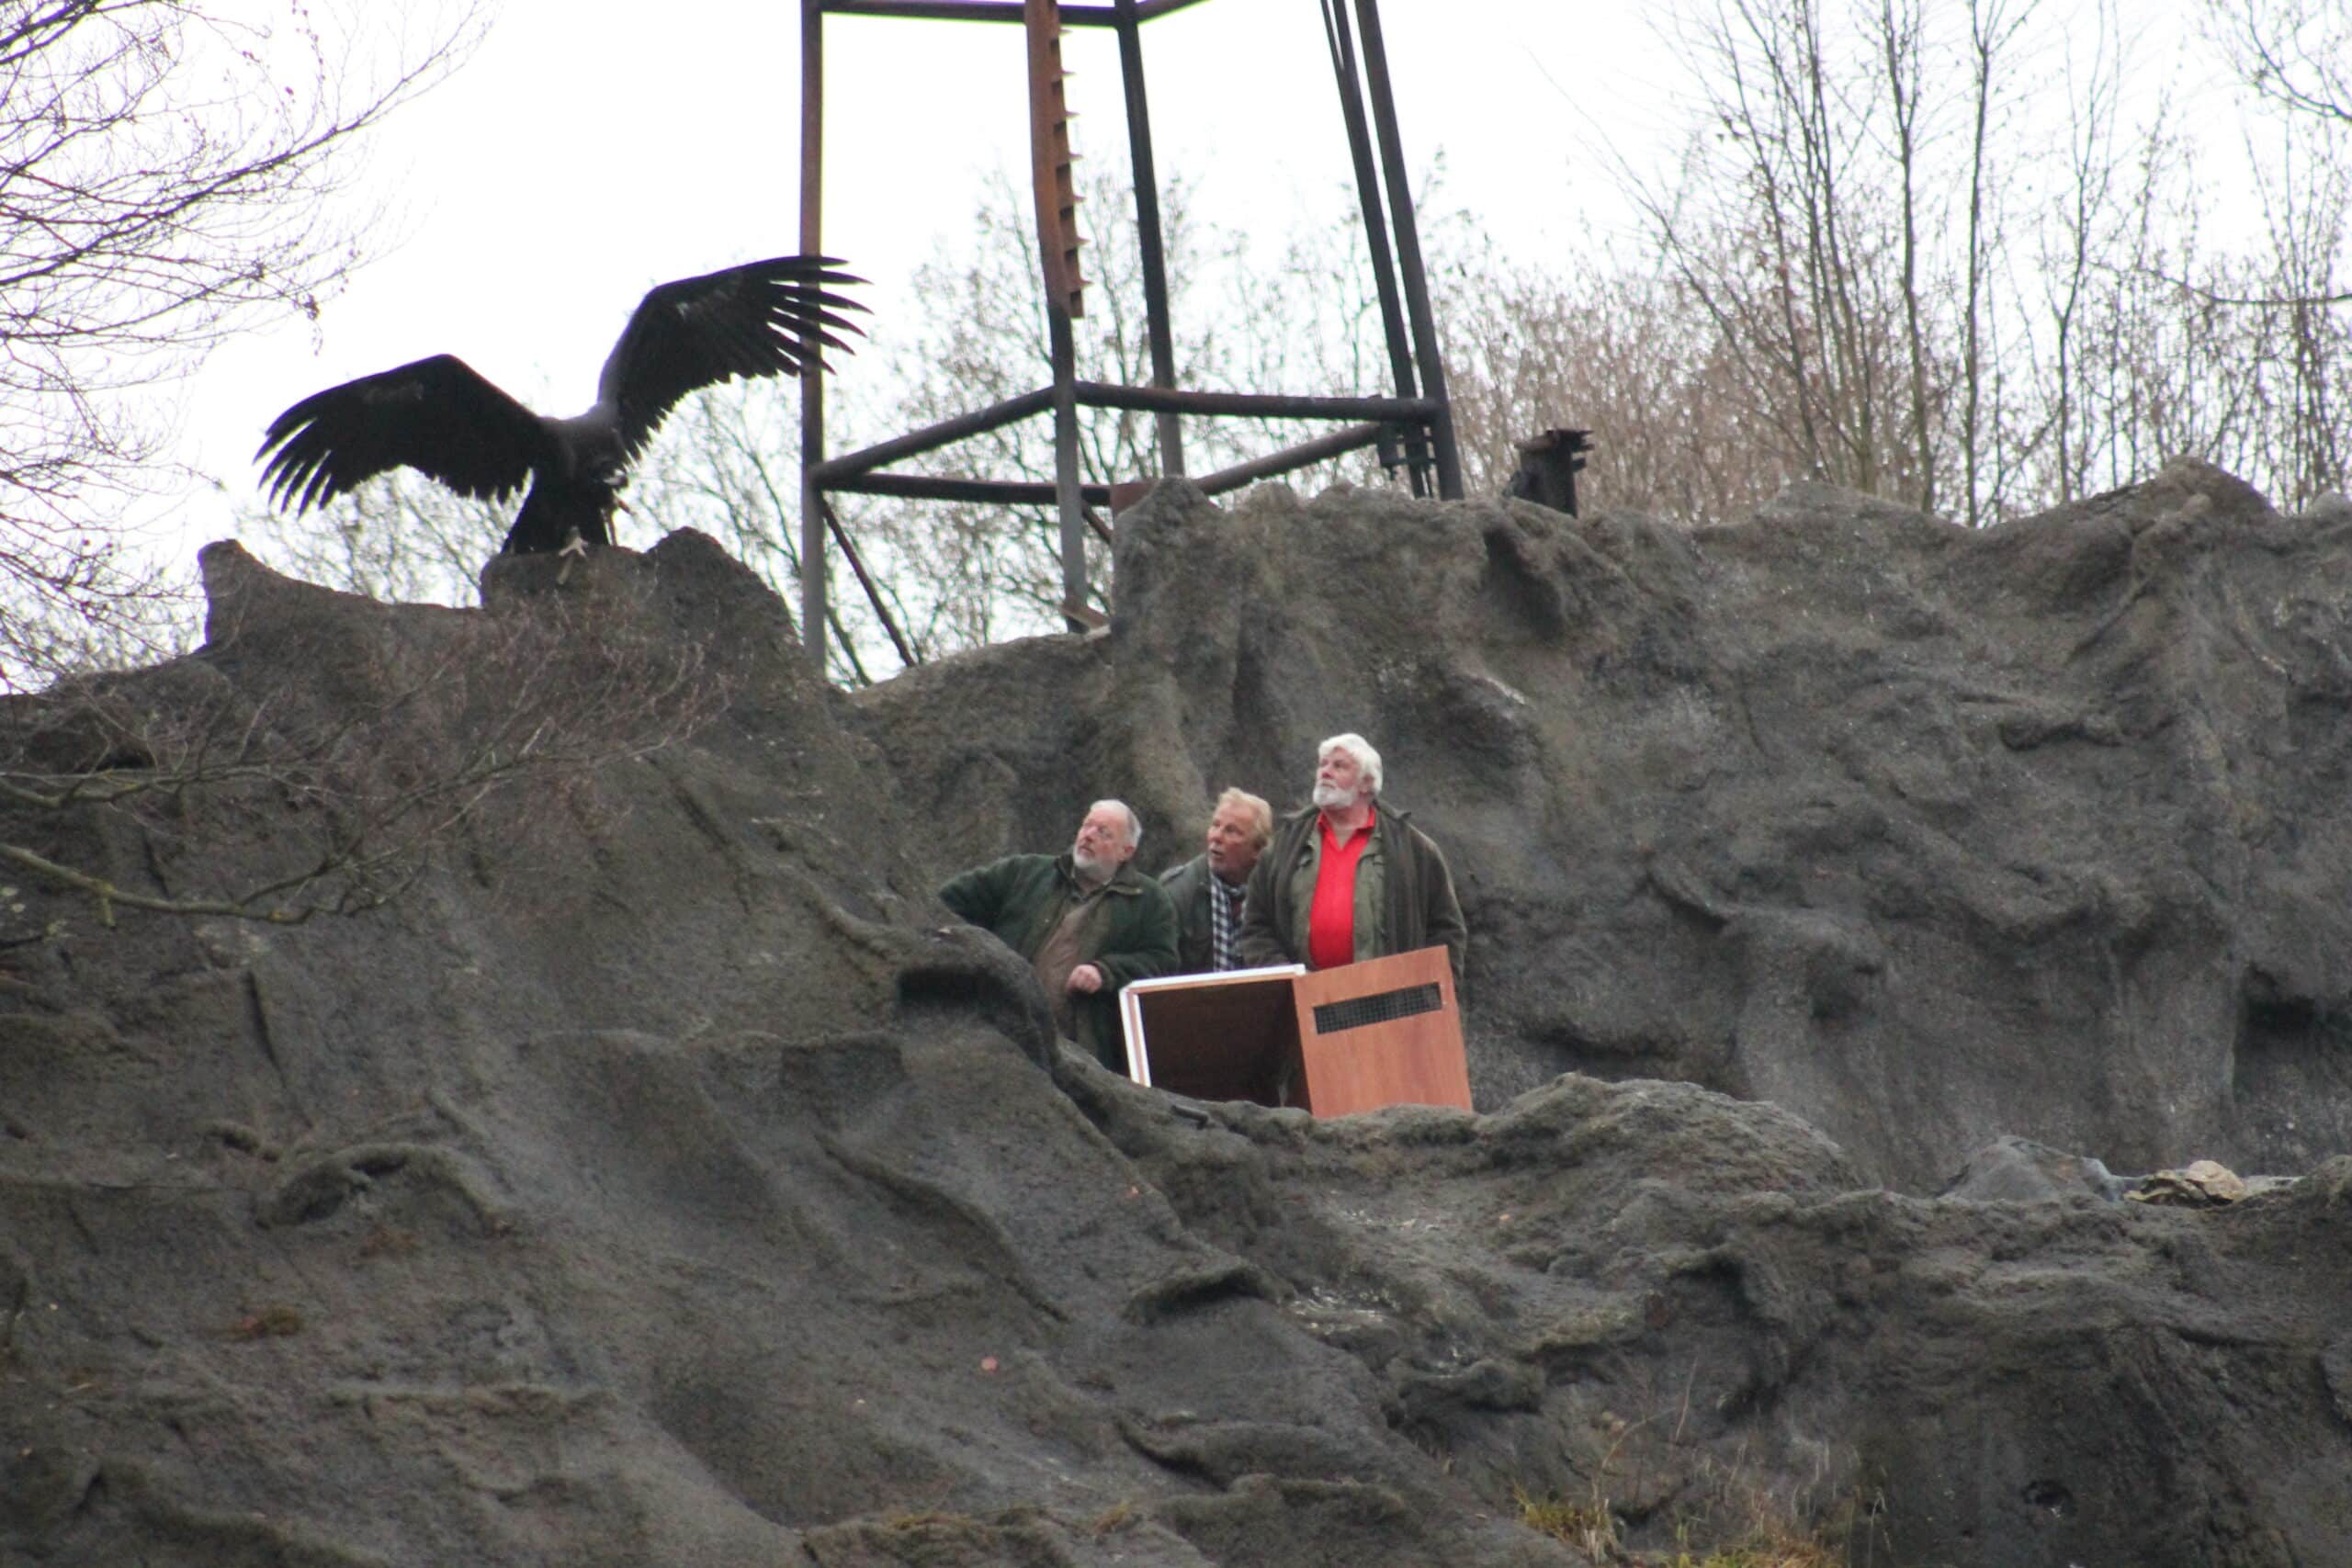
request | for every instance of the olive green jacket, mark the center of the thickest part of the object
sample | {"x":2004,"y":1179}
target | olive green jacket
{"x":1403,"y":893}
{"x":1022,"y":898}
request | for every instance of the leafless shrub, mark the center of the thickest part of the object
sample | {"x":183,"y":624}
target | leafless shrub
{"x":333,"y":790}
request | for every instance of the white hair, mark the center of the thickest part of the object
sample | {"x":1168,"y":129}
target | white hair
{"x":1356,"y":746}
{"x":1134,"y":823}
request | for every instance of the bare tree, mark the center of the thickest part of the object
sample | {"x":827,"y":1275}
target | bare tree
{"x":1902,"y":33}
{"x":2080,"y":226}
{"x":2296,"y":53}
{"x":2295,"y":58}
{"x":1992,"y":29}
{"x":1846,"y":223}
{"x":2306,"y":340}
{"x":167,"y":175}
{"x":1784,"y":225}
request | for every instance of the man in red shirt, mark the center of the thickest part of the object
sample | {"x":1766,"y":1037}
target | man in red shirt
{"x":1349,"y":878}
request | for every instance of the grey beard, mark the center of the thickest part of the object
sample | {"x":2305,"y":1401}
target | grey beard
{"x":1091,"y":869}
{"x":1331,"y":797}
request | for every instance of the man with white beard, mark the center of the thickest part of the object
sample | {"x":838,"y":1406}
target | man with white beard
{"x":1084,"y":920}
{"x":1348,"y":878}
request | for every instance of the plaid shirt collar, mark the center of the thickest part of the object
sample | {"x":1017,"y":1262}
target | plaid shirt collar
{"x":1225,"y":923}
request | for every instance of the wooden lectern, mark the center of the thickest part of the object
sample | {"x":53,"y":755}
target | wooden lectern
{"x":1385,"y":1031}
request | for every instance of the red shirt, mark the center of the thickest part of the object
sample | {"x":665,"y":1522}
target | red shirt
{"x":1331,"y":919}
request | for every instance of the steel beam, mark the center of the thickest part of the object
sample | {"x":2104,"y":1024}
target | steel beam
{"x":1342,"y":42}
{"x":1155,"y":263}
{"x":933,"y":436}
{"x":1255,"y":405}
{"x":967,"y":11}
{"x":995,"y":492}
{"x":995,"y":11}
{"x":1409,"y":250}
{"x":1338,"y":443}
{"x":872,"y":593}
{"x":813,"y":384}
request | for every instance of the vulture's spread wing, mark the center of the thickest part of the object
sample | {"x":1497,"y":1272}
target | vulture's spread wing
{"x":697,"y":331}
{"x":437,"y":416}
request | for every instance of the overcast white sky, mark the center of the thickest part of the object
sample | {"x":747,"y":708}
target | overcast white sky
{"x":589,"y":151}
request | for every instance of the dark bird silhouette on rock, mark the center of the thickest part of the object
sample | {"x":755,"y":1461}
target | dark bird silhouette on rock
{"x":1549,"y":462}
{"x":442,"y":418}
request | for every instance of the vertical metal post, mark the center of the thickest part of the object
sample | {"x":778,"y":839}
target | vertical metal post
{"x":1375,"y":231}
{"x":1155,"y":262}
{"x":813,"y":384}
{"x":1408,"y":250}
{"x":1064,"y":348}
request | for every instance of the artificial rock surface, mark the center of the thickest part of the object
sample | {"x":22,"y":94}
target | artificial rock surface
{"x":659,"y":1179}
{"x":1930,"y":836}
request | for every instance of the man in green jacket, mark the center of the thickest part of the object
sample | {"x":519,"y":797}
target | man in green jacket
{"x":1348,"y":878}
{"x":1084,"y":920}
{"x":1208,"y":889}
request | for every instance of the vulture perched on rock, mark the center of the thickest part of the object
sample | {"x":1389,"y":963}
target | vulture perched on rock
{"x":440,"y":417}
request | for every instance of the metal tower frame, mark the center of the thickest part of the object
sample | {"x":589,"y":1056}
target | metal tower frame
{"x":1414,"y":426}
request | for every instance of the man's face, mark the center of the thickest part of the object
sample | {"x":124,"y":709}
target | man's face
{"x":1102,"y":838}
{"x":1233,"y":847}
{"x":1338,"y":781}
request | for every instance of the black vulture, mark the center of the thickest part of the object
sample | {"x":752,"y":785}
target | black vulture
{"x":1549,"y":462}
{"x":440,"y":416}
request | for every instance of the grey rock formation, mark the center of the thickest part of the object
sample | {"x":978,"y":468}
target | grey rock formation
{"x":2017,"y":1169}
{"x":661,"y":1179}
{"x":1929,"y":836}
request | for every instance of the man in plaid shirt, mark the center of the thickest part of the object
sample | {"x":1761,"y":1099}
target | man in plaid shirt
{"x":1208,"y":889}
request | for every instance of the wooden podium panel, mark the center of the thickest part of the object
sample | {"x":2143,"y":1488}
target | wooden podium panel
{"x":1381,"y":1032}
{"x":1228,"y":1036}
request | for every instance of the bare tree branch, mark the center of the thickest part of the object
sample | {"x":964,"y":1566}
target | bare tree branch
{"x":169,"y":173}
{"x":2244,"y":301}
{"x":2295,"y":54}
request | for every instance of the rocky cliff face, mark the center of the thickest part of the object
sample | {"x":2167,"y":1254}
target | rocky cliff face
{"x":1926,"y":835}
{"x":658,"y":1179}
